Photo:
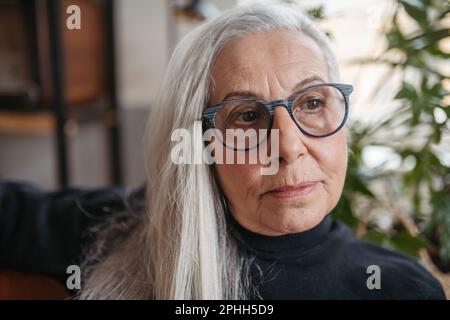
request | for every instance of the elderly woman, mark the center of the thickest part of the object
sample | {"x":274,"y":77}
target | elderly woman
{"x":225,"y":230}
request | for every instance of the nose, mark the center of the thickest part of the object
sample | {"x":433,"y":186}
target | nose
{"x":291,"y":143}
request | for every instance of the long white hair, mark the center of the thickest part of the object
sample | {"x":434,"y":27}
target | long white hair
{"x":180,"y":248}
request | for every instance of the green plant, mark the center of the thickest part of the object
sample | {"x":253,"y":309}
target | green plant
{"x":413,"y":131}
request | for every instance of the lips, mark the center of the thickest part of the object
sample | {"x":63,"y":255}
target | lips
{"x":297,"y":190}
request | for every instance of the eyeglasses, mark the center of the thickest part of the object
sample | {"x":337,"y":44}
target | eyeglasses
{"x":318,"y":111}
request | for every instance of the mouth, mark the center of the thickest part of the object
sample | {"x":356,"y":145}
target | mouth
{"x":298,"y":190}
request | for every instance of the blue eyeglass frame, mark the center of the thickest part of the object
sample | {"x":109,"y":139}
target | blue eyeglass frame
{"x":209,"y":113}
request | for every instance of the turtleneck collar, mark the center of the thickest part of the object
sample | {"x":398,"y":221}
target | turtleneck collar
{"x":279,"y":247}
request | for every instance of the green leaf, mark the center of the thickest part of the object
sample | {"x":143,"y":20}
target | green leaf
{"x":357,"y":185}
{"x":376,"y":237}
{"x":343,"y":212}
{"x":407,"y":91}
{"x":406,"y":243}
{"x":415,"y":9}
{"x":316,"y":13}
{"x":426,"y":39}
{"x":437,"y":135}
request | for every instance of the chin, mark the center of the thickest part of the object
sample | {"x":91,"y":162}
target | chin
{"x":297,"y":220}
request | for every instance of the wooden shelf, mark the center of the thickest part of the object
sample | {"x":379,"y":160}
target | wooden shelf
{"x":42,"y":122}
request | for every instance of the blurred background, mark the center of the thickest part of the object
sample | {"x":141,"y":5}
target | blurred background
{"x":74,"y":102}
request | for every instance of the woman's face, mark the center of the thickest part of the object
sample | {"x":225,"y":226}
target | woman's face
{"x":270,"y":65}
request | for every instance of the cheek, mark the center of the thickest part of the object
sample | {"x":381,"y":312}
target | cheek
{"x":239,"y":181}
{"x":332,"y":157}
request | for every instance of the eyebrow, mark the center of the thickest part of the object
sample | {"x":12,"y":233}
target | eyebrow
{"x":249,"y":94}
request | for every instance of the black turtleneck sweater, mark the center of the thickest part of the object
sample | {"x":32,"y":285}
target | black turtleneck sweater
{"x":328,"y":262}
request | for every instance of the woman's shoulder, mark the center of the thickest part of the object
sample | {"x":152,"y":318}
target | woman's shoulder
{"x":400,"y":276}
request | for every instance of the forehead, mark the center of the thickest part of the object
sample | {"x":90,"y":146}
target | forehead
{"x":259,"y":59}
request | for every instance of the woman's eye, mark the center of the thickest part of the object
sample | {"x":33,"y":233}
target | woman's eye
{"x":247,"y":116}
{"x":313,"y":104}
